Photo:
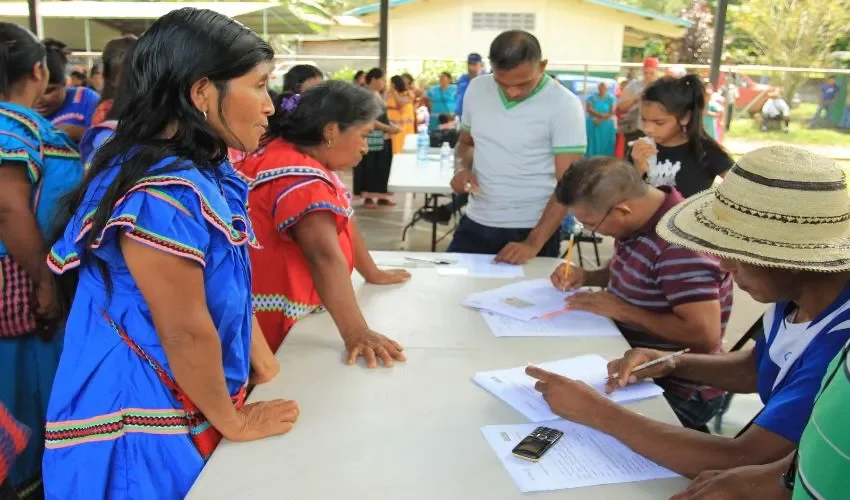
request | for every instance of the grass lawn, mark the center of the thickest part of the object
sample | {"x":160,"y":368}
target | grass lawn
{"x":746,"y":129}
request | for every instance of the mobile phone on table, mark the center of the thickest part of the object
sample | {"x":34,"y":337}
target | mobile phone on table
{"x":533,"y":446}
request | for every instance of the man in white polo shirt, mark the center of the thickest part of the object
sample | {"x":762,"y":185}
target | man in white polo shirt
{"x":521,"y":131}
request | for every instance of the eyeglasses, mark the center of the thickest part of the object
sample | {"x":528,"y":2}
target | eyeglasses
{"x":595,"y":228}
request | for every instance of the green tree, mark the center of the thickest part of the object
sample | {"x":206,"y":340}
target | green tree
{"x":797,"y":33}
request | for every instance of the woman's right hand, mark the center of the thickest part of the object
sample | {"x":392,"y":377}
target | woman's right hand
{"x":633,"y":358}
{"x":573,"y":281}
{"x":264,"y":419}
{"x":641,"y":151}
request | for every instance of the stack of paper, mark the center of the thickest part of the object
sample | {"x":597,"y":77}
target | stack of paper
{"x":524,"y":301}
{"x":568,"y":324}
{"x":516,"y":388}
{"x":583,"y":457}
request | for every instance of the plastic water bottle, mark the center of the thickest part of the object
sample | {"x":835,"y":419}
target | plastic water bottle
{"x":423,"y":144}
{"x":447,"y":157}
{"x":652,"y":161}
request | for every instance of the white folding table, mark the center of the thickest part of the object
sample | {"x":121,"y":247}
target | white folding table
{"x":410,"y":432}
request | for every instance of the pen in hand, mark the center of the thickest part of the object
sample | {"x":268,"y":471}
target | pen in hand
{"x":652,"y":363}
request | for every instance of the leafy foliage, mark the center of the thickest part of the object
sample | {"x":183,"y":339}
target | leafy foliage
{"x":798,"y":33}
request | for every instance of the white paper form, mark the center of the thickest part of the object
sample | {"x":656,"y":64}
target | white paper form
{"x":524,"y":300}
{"x":570,"y":324}
{"x":479,"y":266}
{"x":582,"y":457}
{"x":516,"y":388}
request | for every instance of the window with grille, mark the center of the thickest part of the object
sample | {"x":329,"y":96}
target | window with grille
{"x":502,"y":21}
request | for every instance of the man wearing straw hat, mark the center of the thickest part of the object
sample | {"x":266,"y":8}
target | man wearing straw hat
{"x":780,"y":223}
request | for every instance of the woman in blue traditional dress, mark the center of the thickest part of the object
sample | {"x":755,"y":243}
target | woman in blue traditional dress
{"x":38,"y":166}
{"x":601,"y":131}
{"x":160,"y":340}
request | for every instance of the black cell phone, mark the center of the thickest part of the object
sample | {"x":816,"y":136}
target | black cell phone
{"x":533,"y":446}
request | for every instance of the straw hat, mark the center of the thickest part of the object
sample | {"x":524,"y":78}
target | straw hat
{"x":779,"y":206}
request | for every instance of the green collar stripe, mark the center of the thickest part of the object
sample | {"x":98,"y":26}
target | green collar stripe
{"x":512,"y":104}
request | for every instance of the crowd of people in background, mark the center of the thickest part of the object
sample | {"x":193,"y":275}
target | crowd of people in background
{"x":141,"y":299}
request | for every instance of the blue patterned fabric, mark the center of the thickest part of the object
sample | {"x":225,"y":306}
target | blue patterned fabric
{"x":113,"y":427}
{"x":28,"y":364}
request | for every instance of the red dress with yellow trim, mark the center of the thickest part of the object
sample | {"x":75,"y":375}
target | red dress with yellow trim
{"x":118,"y":425}
{"x":286,"y":185}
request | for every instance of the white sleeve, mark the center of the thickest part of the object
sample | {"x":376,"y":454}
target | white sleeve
{"x":569,"y":132}
{"x":469,"y":105}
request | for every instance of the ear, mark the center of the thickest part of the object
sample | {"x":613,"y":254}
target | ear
{"x":686,"y":119}
{"x":40,"y":72}
{"x":623,"y":208}
{"x":543,"y":64}
{"x":331,"y":132}
{"x":201,"y":94}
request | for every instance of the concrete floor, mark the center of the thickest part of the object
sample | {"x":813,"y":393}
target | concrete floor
{"x":382,"y":228}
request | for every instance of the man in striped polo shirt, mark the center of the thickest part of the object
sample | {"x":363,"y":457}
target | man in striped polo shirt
{"x":662,"y":296}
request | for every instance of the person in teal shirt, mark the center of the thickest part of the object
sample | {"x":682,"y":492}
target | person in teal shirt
{"x":601,"y":131}
{"x":442,"y":99}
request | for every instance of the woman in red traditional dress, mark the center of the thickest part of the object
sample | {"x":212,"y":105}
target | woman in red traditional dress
{"x":302,"y":217}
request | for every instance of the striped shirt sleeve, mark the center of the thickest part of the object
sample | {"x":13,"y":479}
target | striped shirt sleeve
{"x":686,"y":276}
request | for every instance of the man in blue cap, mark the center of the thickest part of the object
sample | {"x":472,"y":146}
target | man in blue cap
{"x":474,"y":67}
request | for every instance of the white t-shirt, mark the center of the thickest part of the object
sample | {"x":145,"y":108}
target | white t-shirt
{"x":775,"y":107}
{"x":515,"y":147}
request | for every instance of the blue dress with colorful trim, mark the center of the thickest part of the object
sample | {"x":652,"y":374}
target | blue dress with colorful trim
{"x":28,"y":364}
{"x":78,"y":107}
{"x":114,"y":428}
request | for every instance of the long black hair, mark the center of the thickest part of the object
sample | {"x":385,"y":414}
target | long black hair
{"x":181,"y":48}
{"x":114,"y":53}
{"x":302,"y":119}
{"x":297,"y":75}
{"x":685,"y":97}
{"x":126,"y":86}
{"x":57,"y":60}
{"x":20,"y":51}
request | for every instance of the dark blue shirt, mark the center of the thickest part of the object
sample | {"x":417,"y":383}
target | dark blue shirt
{"x":829,"y":92}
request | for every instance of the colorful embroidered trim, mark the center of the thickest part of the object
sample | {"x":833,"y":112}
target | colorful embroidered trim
{"x":279,"y":303}
{"x":59,"y":264}
{"x":277,"y":173}
{"x":115,"y":425}
{"x":61,"y":152}
{"x":22,"y":119}
{"x":68,"y":117}
{"x":318,"y":206}
{"x":23,"y":156}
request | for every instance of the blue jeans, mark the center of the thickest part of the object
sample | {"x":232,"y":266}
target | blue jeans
{"x":472,"y":237}
{"x":823,"y":109}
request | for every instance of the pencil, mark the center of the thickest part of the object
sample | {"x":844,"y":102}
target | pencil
{"x":654,"y":362}
{"x":569,"y":258}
